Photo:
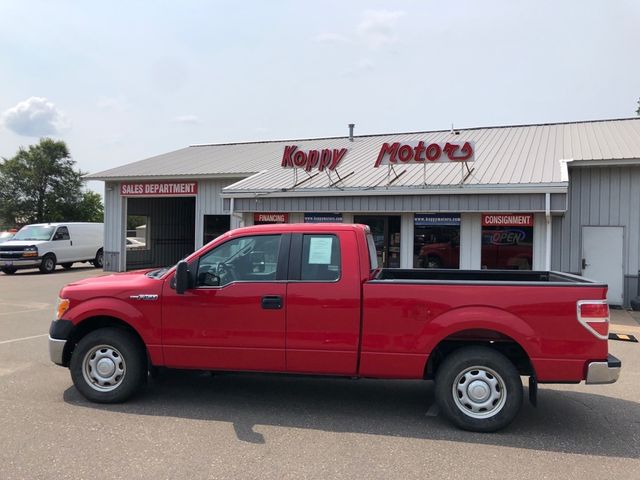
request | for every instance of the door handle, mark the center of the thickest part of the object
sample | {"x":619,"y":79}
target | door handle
{"x":272,"y":302}
{"x":584,"y":263}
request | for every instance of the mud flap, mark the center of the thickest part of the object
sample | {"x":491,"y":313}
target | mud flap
{"x":533,"y":391}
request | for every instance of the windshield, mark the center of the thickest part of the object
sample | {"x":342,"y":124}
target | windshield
{"x":158,"y":272}
{"x":33,"y":232}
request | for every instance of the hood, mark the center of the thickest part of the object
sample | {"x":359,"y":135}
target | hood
{"x":125,"y":277}
{"x":117,"y":285}
{"x":22,"y":243}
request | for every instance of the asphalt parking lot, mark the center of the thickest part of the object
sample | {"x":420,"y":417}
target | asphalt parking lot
{"x":194,"y":425}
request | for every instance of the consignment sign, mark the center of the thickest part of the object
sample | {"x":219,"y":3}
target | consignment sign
{"x":507,"y":220}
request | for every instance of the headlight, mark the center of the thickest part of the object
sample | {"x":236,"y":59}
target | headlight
{"x":31,"y":251}
{"x":62,"y":307}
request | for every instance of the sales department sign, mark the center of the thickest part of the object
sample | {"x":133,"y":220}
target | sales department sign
{"x":422,"y":153}
{"x":158,"y":189}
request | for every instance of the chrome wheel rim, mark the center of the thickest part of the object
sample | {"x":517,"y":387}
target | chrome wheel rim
{"x":99,"y":259}
{"x":104,"y":368}
{"x":48,"y":264}
{"x":479,"y":392}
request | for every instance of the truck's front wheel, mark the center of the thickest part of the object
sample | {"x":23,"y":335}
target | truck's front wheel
{"x":478,"y":389}
{"x":108,"y":365}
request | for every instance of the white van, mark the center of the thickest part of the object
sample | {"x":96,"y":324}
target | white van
{"x":45,"y":245}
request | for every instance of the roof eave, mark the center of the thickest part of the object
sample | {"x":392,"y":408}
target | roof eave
{"x":604,"y":163}
{"x":559,"y":187}
{"x":176,"y":177}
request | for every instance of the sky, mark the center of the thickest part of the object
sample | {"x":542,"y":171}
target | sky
{"x":121,"y":81}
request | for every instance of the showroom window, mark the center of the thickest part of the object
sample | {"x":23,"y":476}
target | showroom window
{"x":214,"y":226}
{"x":138,"y":232}
{"x":436,"y":240}
{"x":507,"y":241}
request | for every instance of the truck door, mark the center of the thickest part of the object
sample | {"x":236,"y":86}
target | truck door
{"x":323,"y":303}
{"x":234,"y":316}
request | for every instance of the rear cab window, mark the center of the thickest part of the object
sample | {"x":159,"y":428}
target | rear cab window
{"x":373,"y":256}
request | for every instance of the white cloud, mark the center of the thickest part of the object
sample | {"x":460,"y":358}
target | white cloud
{"x":35,"y":117}
{"x":378,"y":27}
{"x":187,"y":119}
{"x":331,"y":38}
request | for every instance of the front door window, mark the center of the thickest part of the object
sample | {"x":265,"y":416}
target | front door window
{"x":245,"y":259}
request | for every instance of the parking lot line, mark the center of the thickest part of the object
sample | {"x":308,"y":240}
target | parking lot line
{"x":23,"y":338}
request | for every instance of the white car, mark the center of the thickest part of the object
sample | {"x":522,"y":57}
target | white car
{"x":46,"y":245}
{"x":134,"y":243}
{"x":6,"y":236}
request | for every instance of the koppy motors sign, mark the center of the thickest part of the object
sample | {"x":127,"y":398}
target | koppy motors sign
{"x":390,"y":154}
{"x":421,"y":152}
{"x":326,"y":158}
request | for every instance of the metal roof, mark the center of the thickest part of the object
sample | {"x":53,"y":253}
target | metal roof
{"x":512,"y":156}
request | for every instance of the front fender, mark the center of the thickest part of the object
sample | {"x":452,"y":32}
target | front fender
{"x":116,"y":308}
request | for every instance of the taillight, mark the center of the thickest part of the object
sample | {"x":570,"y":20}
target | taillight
{"x":594,"y":315}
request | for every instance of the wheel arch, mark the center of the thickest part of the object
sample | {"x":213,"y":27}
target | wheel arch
{"x":485,"y":326}
{"x":492,"y":339}
{"x":91,"y":324}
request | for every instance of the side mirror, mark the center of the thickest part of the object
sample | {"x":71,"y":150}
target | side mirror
{"x":182,"y":277}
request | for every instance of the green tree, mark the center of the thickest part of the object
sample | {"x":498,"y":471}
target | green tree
{"x":40,"y":184}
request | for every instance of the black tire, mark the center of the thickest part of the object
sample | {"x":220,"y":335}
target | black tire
{"x":66,"y":266}
{"x":497,"y":384}
{"x":9,"y":270}
{"x":125,"y":365}
{"x":48,"y":264}
{"x":99,"y":259}
{"x":432,"y":262}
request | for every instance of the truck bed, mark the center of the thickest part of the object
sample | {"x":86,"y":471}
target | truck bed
{"x":482,"y":277}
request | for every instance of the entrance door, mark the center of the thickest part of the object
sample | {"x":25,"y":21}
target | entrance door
{"x":602,"y":259}
{"x":386,"y":236}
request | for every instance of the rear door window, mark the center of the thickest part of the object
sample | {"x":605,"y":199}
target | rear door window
{"x":320,"y":258}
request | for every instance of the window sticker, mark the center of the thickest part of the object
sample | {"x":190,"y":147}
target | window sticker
{"x":320,"y":250}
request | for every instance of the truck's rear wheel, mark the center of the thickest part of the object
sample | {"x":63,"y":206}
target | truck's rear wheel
{"x":108,"y":365}
{"x":478,"y":389}
{"x":98,"y":259}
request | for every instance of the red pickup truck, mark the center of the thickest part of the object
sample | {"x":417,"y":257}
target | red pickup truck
{"x":310,"y":299}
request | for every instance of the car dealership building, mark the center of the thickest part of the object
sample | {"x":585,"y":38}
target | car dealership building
{"x":562,"y":196}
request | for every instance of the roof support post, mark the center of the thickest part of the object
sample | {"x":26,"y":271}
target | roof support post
{"x":547,"y":213}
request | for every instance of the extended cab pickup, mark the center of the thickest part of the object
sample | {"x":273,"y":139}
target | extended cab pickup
{"x":311,"y":299}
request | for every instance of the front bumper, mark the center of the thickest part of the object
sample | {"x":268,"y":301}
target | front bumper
{"x":20,"y":263}
{"x":604,"y":372}
{"x":56,"y":350}
{"x":59,"y":332}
